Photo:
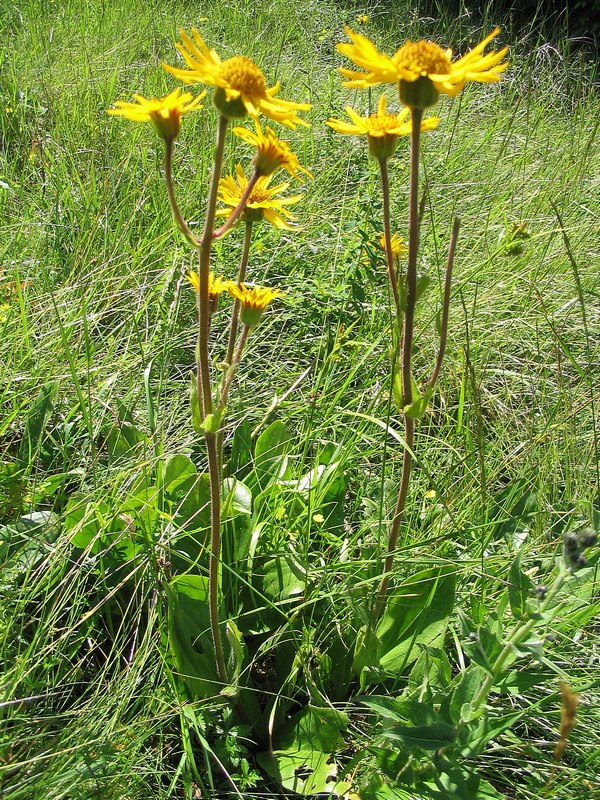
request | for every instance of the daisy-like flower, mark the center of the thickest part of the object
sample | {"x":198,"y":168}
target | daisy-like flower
{"x":382,"y":129}
{"x":216,"y":286}
{"x":271,"y":152}
{"x":263,"y":202}
{"x":254,"y":300}
{"x":422,"y":69}
{"x":398,"y":246}
{"x":164,"y":112}
{"x":241,"y":87}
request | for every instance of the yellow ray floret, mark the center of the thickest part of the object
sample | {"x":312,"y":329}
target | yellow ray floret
{"x":382,"y":129}
{"x":216,"y":285}
{"x":399,"y":248}
{"x":254,"y":300}
{"x":263,"y":203}
{"x":422,"y":59}
{"x":164,"y":112}
{"x":241,"y":85}
{"x":271,"y":152}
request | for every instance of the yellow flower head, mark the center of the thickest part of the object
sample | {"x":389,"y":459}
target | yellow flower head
{"x":254,"y":300}
{"x":241,"y":87}
{"x":382,"y":129}
{"x":216,"y":286}
{"x":164,"y":112}
{"x":271,"y":152}
{"x":263,"y":202}
{"x":423,"y":63}
{"x":398,"y":246}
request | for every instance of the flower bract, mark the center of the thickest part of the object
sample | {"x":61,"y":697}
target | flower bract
{"x":241,"y":87}
{"x":164,"y":112}
{"x":254,"y":300}
{"x":263,"y":202}
{"x":271,"y":152}
{"x":382,"y":129}
{"x":424,"y":63}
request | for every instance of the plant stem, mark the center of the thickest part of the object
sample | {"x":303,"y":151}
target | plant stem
{"x":206,"y":403}
{"x":238,"y":209}
{"x":446,"y":306}
{"x":407,"y":341}
{"x":215,"y":553}
{"x":389,"y":258}
{"x":179,"y":220}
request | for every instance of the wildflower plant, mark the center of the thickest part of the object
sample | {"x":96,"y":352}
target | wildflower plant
{"x":240,"y":90}
{"x":421,"y":71}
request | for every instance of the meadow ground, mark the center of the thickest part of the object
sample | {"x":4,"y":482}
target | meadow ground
{"x":97,"y":342}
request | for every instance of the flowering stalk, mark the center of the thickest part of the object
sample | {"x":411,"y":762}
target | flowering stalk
{"x":206,"y":403}
{"x":407,"y":341}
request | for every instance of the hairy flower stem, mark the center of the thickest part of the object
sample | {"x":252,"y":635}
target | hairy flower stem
{"x":407,"y":342}
{"x":237,"y":211}
{"x":389,"y":258}
{"x":177,"y":215}
{"x":206,"y":402}
{"x":215,"y":548}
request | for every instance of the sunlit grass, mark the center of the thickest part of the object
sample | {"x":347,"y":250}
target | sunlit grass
{"x":85,"y":224}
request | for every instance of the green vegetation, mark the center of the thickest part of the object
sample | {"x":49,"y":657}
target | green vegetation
{"x":108,"y":682}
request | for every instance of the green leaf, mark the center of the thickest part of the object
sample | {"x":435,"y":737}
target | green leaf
{"x":241,"y":450}
{"x":418,"y":407}
{"x":191,"y":644}
{"x":417,"y":612}
{"x":520,"y":588}
{"x":236,"y":498}
{"x":35,"y":423}
{"x":283,"y":577}
{"x":269,"y":455}
{"x":178,"y":469}
{"x":483,"y":647}
{"x":194,"y":586}
{"x":302,"y":755}
{"x":465,"y":690}
{"x":424,"y":737}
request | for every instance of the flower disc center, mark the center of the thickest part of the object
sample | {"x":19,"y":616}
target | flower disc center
{"x":242,"y":74}
{"x":423,"y":58}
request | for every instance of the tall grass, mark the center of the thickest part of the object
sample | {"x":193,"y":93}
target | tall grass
{"x":92,"y":301}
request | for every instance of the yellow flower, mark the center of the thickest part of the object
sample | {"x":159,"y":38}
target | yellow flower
{"x":216,"y":286}
{"x":362,"y":19}
{"x":398,"y":246}
{"x":263,"y":202}
{"x":241,"y":87}
{"x":382,"y":129}
{"x":254,"y":300}
{"x":423,"y":63}
{"x":164,"y":112}
{"x":271,"y":152}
